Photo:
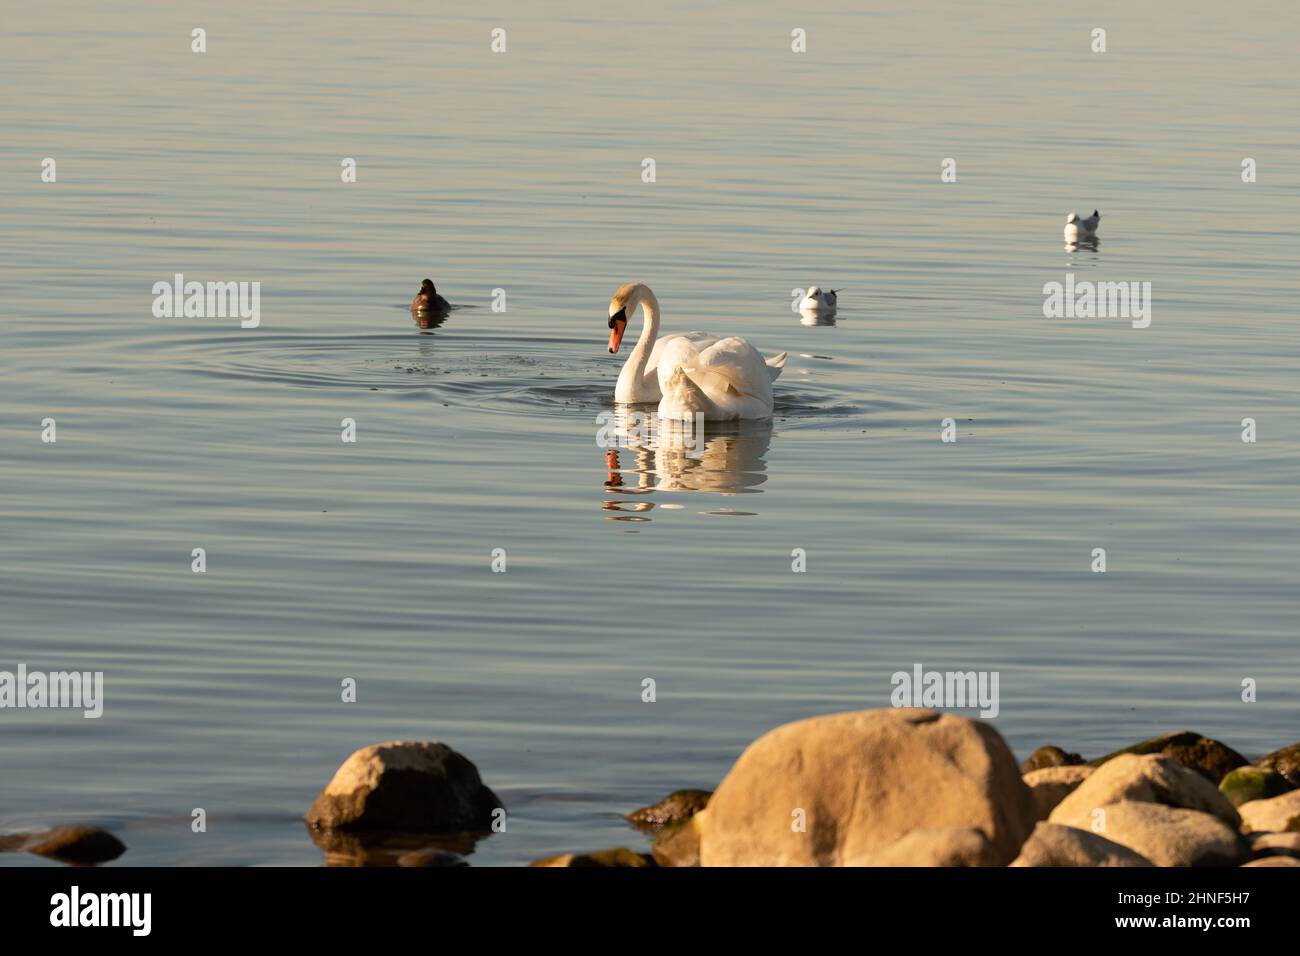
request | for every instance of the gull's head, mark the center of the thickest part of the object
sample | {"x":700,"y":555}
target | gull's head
{"x":1072,"y":217}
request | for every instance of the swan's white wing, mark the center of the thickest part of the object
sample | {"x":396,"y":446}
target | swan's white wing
{"x":699,"y":339}
{"x":739,"y":363}
{"x":775,"y":365}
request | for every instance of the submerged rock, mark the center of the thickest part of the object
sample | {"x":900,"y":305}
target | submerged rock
{"x":383,"y":848}
{"x":1276,"y":815}
{"x":1054,"y":845}
{"x":678,"y":805}
{"x":1151,"y":779}
{"x":1285,"y":761}
{"x":1170,"y":836}
{"x":1050,"y":756}
{"x":1212,"y":759}
{"x":678,"y":844}
{"x":404,"y":785}
{"x":618,"y":856}
{"x":75,"y":844}
{"x":835,"y":789}
{"x":1051,"y":785}
{"x":1250,"y":783}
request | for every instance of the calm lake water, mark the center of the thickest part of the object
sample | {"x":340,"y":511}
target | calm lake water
{"x":522,"y":171}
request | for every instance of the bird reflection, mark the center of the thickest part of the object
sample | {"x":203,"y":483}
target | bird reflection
{"x":663,"y":455}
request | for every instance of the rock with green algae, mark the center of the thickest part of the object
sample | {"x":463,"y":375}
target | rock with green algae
{"x":1050,"y":756}
{"x":617,"y":856}
{"x":677,"y":806}
{"x":1212,"y":759}
{"x":1285,"y":762}
{"x":1250,"y":783}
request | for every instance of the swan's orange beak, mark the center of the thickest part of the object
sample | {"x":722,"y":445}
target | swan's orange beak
{"x":617,"y":325}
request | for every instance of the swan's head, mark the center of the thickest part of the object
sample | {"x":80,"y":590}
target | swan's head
{"x":621,"y":307}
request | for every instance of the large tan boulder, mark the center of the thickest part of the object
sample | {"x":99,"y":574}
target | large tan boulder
{"x":1051,"y":785}
{"x":1054,"y":845}
{"x":404,"y":785}
{"x":938,"y":846}
{"x":837,"y":789}
{"x":1150,"y":779}
{"x":1275,"y":844}
{"x":1274,"y":861}
{"x":1278,"y":815}
{"x":1171,"y":836}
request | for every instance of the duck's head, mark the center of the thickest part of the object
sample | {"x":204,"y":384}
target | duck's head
{"x":428,"y":288}
{"x":621,"y":308}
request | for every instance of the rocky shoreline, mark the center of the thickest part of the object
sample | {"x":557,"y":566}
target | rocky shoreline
{"x":884,"y":788}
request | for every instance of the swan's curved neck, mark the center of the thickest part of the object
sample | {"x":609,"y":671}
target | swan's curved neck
{"x":640,"y":355}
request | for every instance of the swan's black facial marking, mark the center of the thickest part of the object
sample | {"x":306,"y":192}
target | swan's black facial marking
{"x":619,"y":316}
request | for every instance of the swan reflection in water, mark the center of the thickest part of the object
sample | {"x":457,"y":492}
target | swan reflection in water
{"x":649,"y":454}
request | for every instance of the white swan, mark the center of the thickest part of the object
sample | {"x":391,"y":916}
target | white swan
{"x":818,"y":301}
{"x":688,"y":372}
{"x":1077,"y":229}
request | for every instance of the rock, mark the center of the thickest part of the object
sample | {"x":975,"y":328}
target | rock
{"x":678,"y":844}
{"x":942,"y":846}
{"x":1285,"y":761}
{"x":1274,"y":861}
{"x":1212,"y":759}
{"x":1250,"y":783}
{"x":1051,"y":785}
{"x":1277,"y":814}
{"x":1054,"y":845}
{"x":1171,"y":836}
{"x":75,"y":844}
{"x":1150,"y":779}
{"x":404,"y":785}
{"x":619,"y":856}
{"x":677,"y":806}
{"x":1050,"y":756}
{"x":431,"y":856}
{"x":1275,"y":844}
{"x":838,"y":788}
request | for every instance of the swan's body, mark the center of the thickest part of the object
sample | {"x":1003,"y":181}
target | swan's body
{"x":1081,"y":230}
{"x":817,"y":300}
{"x":722,"y":377}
